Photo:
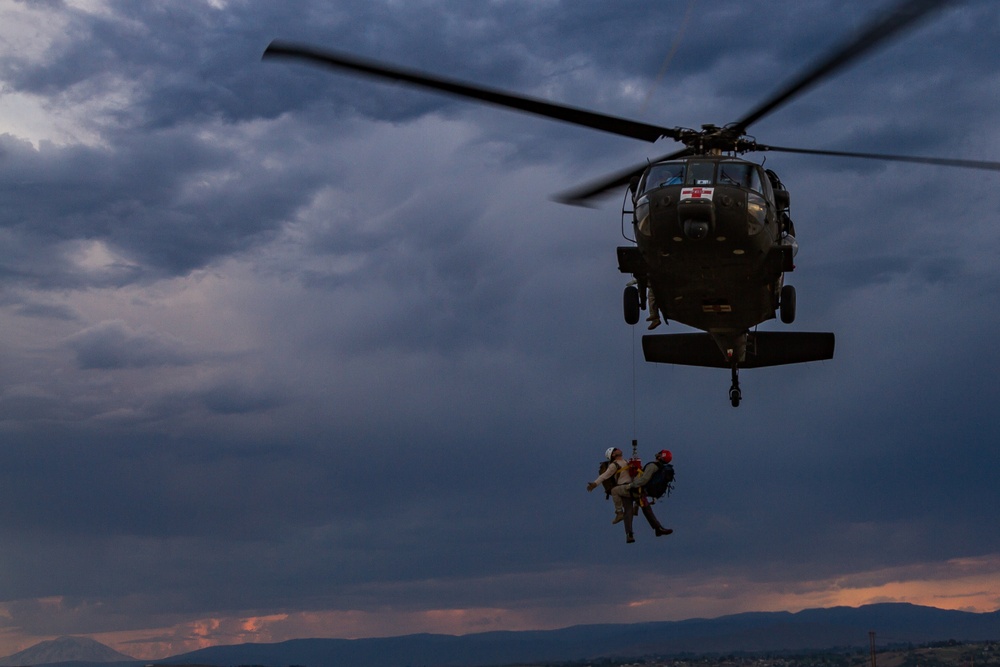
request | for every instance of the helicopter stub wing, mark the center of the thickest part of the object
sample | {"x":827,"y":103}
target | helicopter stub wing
{"x":764,"y":348}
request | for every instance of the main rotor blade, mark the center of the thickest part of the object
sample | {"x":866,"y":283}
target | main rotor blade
{"x":568,"y":114}
{"x":581,"y":195}
{"x":946,"y":162}
{"x":894,"y":21}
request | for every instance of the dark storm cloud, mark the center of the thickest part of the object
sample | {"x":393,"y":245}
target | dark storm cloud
{"x":186,"y":61}
{"x":278,"y":339}
{"x":30,"y":307}
{"x":169,"y":201}
{"x":239,"y":399}
{"x":110,"y":345}
{"x":169,"y":195}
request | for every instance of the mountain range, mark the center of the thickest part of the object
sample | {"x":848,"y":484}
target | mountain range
{"x":813,"y":629}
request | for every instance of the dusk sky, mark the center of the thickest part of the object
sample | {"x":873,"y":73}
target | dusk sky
{"x":289,"y":353}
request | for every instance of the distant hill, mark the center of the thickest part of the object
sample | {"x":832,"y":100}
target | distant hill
{"x":66,"y":649}
{"x":814,"y":629}
{"x":810,"y":630}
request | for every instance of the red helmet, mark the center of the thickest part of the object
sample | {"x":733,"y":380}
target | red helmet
{"x":665,"y":455}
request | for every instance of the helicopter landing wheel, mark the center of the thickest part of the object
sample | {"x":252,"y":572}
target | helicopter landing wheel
{"x":630,"y":301}
{"x":788,"y":304}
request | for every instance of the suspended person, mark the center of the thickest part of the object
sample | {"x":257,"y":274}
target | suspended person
{"x":656,"y":479}
{"x":615,"y":474}
{"x":654,"y":311}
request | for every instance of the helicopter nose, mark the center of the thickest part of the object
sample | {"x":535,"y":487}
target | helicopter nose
{"x":698,"y":216}
{"x":696,"y":230}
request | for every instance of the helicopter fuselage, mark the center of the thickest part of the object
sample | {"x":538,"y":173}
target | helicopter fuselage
{"x":714,"y":241}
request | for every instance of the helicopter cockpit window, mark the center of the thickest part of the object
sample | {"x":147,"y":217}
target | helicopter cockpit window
{"x":740,"y":174}
{"x":700,"y":173}
{"x":734,"y":174}
{"x":660,"y":175}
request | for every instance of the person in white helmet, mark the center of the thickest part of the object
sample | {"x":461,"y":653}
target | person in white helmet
{"x":615,"y":475}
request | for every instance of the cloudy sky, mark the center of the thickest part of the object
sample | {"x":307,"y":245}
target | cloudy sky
{"x":287,"y":353}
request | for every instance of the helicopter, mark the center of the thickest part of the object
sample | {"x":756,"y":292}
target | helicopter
{"x":713,"y":240}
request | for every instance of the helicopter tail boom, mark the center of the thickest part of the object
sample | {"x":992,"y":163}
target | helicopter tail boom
{"x":763,"y":348}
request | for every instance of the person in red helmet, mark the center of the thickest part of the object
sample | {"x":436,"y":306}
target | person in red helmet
{"x":655,"y":480}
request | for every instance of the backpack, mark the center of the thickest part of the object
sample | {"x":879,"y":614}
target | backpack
{"x":661,"y":482}
{"x":610,"y":482}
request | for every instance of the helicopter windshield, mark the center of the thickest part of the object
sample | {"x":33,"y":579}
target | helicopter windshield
{"x":739,"y":174}
{"x":700,"y":173}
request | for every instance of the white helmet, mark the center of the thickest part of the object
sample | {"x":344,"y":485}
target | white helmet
{"x":609,"y":452}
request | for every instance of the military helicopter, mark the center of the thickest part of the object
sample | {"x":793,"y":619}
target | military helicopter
{"x":713,"y":236}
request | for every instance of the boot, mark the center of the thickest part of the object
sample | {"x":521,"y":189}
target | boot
{"x":629,"y":538}
{"x":663,"y":531}
{"x":619,"y":517}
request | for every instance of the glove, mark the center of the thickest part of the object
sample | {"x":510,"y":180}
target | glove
{"x":591,"y":486}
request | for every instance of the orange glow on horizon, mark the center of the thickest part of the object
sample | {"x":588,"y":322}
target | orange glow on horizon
{"x":966,"y":584}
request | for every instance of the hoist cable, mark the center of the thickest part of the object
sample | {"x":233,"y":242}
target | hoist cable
{"x":635,"y":440}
